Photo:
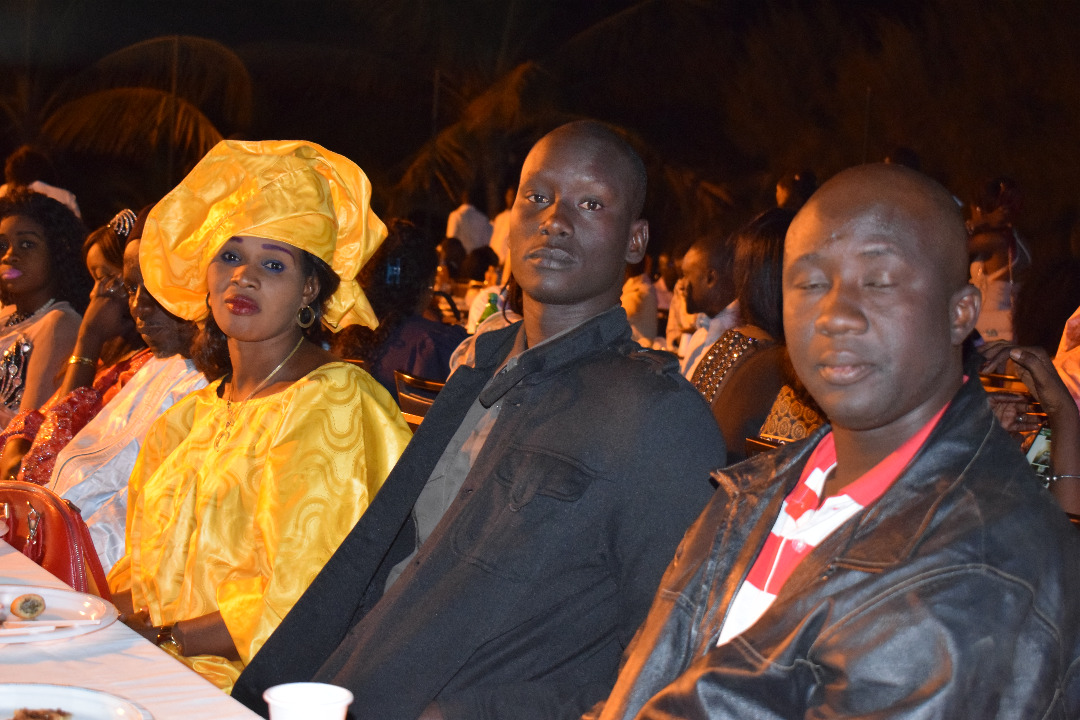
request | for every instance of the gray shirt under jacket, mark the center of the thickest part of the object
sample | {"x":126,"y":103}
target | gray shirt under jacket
{"x":539,"y":573}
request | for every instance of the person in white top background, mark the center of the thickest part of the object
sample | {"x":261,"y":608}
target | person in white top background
{"x":999,"y":256}
{"x":709,"y":292}
{"x":469,"y":225}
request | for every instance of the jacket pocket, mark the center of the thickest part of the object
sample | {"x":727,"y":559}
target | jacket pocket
{"x":526,"y":517}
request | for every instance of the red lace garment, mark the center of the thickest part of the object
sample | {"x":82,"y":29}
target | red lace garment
{"x":52,"y":427}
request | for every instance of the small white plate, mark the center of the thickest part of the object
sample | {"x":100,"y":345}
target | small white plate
{"x":83,"y":704}
{"x":59,"y":605}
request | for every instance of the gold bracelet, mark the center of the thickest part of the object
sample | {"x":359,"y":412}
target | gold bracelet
{"x":80,"y":360}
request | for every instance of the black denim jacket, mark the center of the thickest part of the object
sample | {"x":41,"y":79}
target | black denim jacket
{"x":520,"y":603}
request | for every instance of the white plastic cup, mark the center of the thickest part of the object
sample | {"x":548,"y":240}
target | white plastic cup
{"x":307,"y":701}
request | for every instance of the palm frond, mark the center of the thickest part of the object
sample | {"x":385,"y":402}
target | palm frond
{"x":131,"y":122}
{"x":440,"y":170}
{"x":519,"y":97}
{"x":205,"y":73}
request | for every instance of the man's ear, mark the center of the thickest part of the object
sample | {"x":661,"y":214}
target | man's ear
{"x":639,"y":241}
{"x":964,"y":311}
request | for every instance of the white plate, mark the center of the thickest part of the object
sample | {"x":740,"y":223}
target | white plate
{"x":59,"y":605}
{"x":83,"y":704}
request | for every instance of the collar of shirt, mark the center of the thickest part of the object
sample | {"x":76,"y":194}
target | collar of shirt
{"x":806,"y":495}
{"x":557,"y":351}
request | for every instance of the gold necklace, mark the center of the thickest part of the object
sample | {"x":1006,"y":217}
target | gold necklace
{"x":223,"y":435}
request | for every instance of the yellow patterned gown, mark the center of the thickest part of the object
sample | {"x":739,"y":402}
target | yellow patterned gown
{"x":244,"y":528}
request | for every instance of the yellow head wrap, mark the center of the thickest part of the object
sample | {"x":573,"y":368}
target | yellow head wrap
{"x":291,"y":191}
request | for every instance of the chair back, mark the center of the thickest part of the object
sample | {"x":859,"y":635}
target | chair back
{"x":416,"y":395}
{"x":51,"y":532}
{"x":760,"y":444}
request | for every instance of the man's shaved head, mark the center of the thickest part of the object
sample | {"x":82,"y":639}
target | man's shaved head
{"x":601,"y":134}
{"x":899,"y":198}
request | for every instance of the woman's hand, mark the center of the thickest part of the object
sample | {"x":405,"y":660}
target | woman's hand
{"x":205,"y":635}
{"x":106,"y":316}
{"x":1034,"y":367}
{"x":1013,"y":412}
{"x":140,"y":622}
{"x":1012,"y":409}
{"x":12,"y":457}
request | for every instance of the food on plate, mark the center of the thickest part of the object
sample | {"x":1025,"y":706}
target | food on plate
{"x":28,"y":606}
{"x":26,"y":714}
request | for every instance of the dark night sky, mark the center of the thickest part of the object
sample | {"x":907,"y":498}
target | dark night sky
{"x":736,"y":90}
{"x":72,"y":32}
{"x":724,"y":95}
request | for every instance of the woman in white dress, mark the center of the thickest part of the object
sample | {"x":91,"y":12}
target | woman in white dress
{"x":43,"y":286}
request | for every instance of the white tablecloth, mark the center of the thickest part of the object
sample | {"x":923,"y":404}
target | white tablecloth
{"x":114,"y":659}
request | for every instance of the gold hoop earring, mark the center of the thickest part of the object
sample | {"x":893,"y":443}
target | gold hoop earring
{"x":300,"y":317}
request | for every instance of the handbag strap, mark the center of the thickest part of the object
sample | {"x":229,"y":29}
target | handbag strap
{"x":90,"y":556}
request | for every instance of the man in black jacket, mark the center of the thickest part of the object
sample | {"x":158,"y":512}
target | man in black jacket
{"x":904,"y":563}
{"x":515,"y":547}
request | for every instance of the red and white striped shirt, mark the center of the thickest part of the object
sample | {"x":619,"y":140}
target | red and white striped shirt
{"x":802,"y":524}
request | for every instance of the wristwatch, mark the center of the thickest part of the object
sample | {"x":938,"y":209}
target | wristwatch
{"x":166,"y":640}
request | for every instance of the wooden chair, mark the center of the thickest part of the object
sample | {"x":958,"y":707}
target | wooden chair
{"x":760,"y":444}
{"x":413,"y":421}
{"x":415,"y":394}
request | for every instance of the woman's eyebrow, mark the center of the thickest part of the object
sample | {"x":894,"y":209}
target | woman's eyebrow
{"x":272,"y":246}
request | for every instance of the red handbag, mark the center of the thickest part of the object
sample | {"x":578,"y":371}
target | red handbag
{"x":50,"y":531}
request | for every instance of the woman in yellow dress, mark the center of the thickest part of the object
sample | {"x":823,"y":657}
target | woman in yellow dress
{"x":245,"y":488}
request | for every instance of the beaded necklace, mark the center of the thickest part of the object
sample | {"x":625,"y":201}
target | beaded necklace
{"x":18,"y":317}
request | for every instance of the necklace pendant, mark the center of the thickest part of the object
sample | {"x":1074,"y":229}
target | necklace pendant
{"x":225,"y":432}
{"x":222,"y":438}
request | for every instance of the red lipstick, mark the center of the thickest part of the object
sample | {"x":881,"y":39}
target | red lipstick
{"x":240,"y":305}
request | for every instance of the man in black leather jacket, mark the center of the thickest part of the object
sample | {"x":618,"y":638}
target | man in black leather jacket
{"x":956,"y":592}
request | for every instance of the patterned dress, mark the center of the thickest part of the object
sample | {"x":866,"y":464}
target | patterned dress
{"x":242,"y":523}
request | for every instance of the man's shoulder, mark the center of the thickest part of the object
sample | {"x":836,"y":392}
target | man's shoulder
{"x":647,"y":360}
{"x":632,"y":387}
{"x":1013,"y":518}
{"x":981,"y":508}
{"x":627,"y":369}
